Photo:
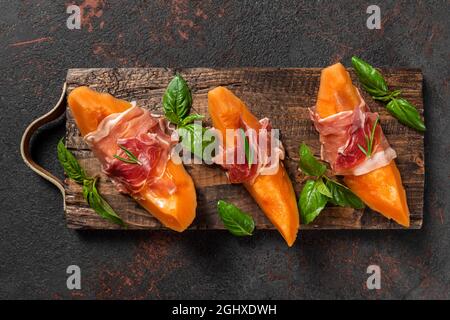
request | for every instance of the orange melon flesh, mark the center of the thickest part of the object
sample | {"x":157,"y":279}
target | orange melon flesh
{"x":382,"y":189}
{"x":89,"y":107}
{"x":336,"y":91}
{"x":176,"y":211}
{"x":273,"y":193}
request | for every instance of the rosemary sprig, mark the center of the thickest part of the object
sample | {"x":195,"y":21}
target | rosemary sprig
{"x":132,"y":159}
{"x":369,"y":140}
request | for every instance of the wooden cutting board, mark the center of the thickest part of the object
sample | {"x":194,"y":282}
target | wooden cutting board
{"x":283,"y":95}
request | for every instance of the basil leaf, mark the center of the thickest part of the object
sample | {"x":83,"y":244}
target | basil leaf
{"x":322,"y":188}
{"x":311,"y":201}
{"x":406,"y":113}
{"x":309,"y":164}
{"x":235,"y":220}
{"x":247,"y":151}
{"x":192,"y":139}
{"x":343,"y":196}
{"x":374,"y":83}
{"x":177,"y":100}
{"x":191,"y":118}
{"x":99,"y":204}
{"x":90,"y":192}
{"x":70,"y":164}
{"x":371,"y":79}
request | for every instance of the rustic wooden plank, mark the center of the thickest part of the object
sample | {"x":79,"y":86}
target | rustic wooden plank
{"x":280,"y":94}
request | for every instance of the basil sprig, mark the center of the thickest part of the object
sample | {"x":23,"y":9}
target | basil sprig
{"x":235,"y":220}
{"x":343,"y":196}
{"x":189,"y":119}
{"x":177,"y":103}
{"x":70,"y":164}
{"x":193,"y":139}
{"x":311,"y":201}
{"x":75,"y":172}
{"x":317,"y":193}
{"x":371,"y":79}
{"x":247,"y":150}
{"x":177,"y":100}
{"x":406,"y":113}
{"x":309,"y":164}
{"x":373,"y":82}
{"x":96,"y":202}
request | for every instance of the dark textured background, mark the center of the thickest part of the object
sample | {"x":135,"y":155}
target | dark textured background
{"x":36,"y":247}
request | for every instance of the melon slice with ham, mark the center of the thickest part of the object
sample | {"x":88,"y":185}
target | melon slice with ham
{"x":273,"y":192}
{"x":159,"y":185}
{"x":381,"y":188}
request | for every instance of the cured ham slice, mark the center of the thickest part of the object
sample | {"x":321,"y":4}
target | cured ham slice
{"x":146,"y":137}
{"x":341,"y":136}
{"x":266,"y":153}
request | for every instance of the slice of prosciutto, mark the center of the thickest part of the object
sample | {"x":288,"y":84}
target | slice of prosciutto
{"x":342,"y":133}
{"x":266,"y":151}
{"x":146,"y":136}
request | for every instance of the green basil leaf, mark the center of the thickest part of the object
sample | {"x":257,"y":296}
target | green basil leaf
{"x":87,"y":188}
{"x":395,"y":93}
{"x":309,"y":164}
{"x":247,"y":151}
{"x":343,"y":196}
{"x":371,"y":79}
{"x":191,"y":118}
{"x":70,"y":164}
{"x":311,"y":201}
{"x":322,"y":188}
{"x":177,"y":100}
{"x":96,"y":202}
{"x":193,"y":140}
{"x":406,"y":113}
{"x":235,"y":220}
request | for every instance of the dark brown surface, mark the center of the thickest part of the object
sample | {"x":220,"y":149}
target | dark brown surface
{"x":283,"y":95}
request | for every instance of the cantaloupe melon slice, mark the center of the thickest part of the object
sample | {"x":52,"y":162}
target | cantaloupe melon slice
{"x":176,"y":211}
{"x":382,"y":189}
{"x":273,"y":193}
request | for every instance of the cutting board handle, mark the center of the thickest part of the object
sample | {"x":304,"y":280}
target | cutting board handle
{"x":58,"y":110}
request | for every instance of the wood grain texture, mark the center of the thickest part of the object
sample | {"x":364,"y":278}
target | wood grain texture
{"x":283,"y":95}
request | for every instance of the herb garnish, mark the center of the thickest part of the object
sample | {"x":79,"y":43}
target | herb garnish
{"x":309,"y":164}
{"x":97,"y":202}
{"x":406,"y":113}
{"x":90,"y":193}
{"x":70,"y":164}
{"x":248,"y":151}
{"x":132,"y":159}
{"x":317,"y":193}
{"x":177,"y":100}
{"x":177,"y":103}
{"x":369,"y":140}
{"x":235,"y":220}
{"x":374,"y":83}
